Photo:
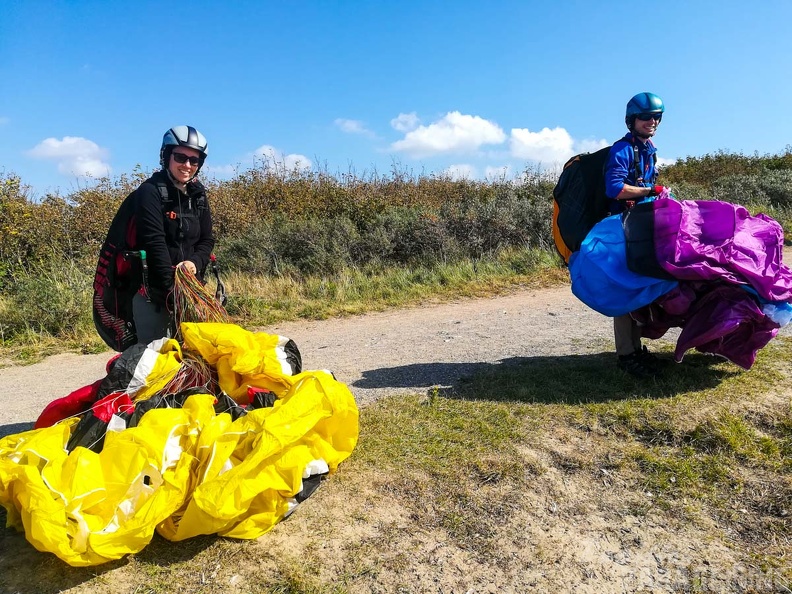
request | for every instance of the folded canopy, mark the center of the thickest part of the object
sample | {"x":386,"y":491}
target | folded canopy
{"x":182,"y":463}
{"x":708,"y":267}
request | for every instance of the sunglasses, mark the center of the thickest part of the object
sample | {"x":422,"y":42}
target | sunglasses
{"x":182,"y":158}
{"x":645,"y":117}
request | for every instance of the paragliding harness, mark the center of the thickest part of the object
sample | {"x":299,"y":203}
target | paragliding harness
{"x":121,"y":272}
{"x":579,"y":200}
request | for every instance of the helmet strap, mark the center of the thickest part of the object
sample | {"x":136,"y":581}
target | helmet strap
{"x":178,"y":184}
{"x":631,"y":128}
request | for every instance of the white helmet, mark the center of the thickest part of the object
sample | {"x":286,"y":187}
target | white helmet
{"x":183,"y":136}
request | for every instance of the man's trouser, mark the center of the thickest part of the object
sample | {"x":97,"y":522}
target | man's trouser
{"x":627,"y":334}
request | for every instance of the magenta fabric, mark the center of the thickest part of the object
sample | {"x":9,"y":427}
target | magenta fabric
{"x":713,"y":248}
{"x":715,"y":318}
{"x":718,"y":241}
{"x":726,"y":321}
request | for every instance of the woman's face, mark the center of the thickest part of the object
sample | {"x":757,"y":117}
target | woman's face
{"x":183,"y":172}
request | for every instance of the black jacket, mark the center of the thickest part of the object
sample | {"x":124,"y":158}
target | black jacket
{"x":171,"y":228}
{"x":171,"y":231}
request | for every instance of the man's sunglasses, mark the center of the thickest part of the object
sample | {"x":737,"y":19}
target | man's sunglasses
{"x":182,"y":158}
{"x":645,"y":117}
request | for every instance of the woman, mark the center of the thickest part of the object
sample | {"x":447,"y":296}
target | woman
{"x":163,"y":224}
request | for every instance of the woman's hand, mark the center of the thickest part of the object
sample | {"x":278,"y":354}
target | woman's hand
{"x":187,"y":265}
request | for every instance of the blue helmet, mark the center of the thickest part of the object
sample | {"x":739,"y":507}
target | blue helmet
{"x":642,"y":103}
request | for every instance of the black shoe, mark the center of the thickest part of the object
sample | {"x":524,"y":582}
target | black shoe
{"x":641,"y":364}
{"x":650,"y":359}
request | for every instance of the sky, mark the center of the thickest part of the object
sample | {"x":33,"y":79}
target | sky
{"x":464,"y":88}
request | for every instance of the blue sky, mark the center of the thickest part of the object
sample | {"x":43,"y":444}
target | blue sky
{"x":473,"y":88}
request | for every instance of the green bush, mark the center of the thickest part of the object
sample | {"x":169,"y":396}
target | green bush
{"x":511,"y":218}
{"x":403,"y":235}
{"x":396,"y":235}
{"x":52,"y":298}
{"x":686,"y":191}
{"x":704,"y":170}
{"x":773,"y":188}
{"x":272,"y":221}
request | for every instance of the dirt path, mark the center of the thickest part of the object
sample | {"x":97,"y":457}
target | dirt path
{"x":400,"y":351}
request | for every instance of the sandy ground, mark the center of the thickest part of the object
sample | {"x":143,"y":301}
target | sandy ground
{"x":573,"y":532}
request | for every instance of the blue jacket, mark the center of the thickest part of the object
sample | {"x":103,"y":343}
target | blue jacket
{"x":620,"y":168}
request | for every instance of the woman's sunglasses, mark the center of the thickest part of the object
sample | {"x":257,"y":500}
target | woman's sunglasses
{"x":645,"y":117}
{"x":182,"y":158}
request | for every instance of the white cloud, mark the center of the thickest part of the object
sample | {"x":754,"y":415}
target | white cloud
{"x":661,"y":162}
{"x":549,"y":146}
{"x":546,"y":146}
{"x":74,"y":156}
{"x":453,"y":133}
{"x":588,"y":146}
{"x":290,"y":162}
{"x":220,"y":170}
{"x":497,"y":173}
{"x":265,"y":155}
{"x":460,"y":171}
{"x":405,"y":122}
{"x":353,"y":127}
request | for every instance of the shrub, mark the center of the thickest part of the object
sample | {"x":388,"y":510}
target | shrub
{"x":771,"y":189}
{"x":513,"y":217}
{"x":279,"y":246}
{"x":53,"y":298}
{"x":402,"y":235}
{"x":686,"y":191}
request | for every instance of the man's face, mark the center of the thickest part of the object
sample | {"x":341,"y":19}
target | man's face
{"x":646,"y":124}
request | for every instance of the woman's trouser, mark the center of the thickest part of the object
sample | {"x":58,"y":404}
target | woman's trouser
{"x":152,"y":321}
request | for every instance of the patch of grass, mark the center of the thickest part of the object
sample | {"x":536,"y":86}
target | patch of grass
{"x":682,"y":471}
{"x":734,"y":436}
{"x":51,"y":313}
{"x":258,"y":301}
{"x":700,"y":432}
{"x":455,"y":465}
{"x":433,"y":432}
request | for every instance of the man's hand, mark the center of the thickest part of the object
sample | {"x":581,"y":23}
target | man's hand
{"x":656,"y":191}
{"x":187,"y":265}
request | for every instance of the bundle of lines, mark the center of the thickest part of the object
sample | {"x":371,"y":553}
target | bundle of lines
{"x":192,"y":302}
{"x":194,"y":372}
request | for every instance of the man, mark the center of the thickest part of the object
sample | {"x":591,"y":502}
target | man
{"x":630,"y":175}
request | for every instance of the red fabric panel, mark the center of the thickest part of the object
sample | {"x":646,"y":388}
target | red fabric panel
{"x":75,"y":403}
{"x":111,"y":404}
